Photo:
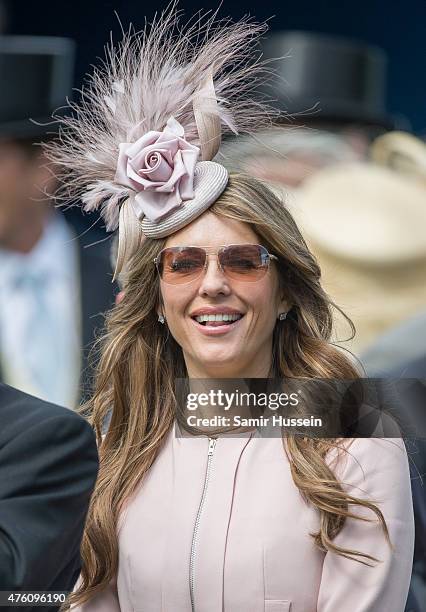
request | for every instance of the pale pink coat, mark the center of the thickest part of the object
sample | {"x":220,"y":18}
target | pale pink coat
{"x":252,"y":551}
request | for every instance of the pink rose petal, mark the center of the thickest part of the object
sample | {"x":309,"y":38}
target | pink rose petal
{"x":160,"y":167}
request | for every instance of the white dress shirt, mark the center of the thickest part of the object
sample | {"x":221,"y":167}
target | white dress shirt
{"x":40,"y":316}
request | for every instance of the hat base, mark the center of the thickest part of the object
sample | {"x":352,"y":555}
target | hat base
{"x":210,"y":180}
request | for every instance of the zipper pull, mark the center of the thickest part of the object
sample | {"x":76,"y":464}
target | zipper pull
{"x":212,"y":445}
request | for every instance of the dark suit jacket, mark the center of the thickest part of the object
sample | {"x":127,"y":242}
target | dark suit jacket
{"x":48,"y":468}
{"x":96,"y":288}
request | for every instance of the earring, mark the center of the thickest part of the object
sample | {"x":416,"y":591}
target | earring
{"x":282,"y":316}
{"x":161,"y":318}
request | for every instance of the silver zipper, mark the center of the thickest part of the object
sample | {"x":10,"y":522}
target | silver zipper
{"x":212,"y":446}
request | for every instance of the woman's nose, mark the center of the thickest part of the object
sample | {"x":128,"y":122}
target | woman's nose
{"x":213,"y":280}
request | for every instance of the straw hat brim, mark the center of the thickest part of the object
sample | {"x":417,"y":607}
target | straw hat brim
{"x":210,"y":180}
{"x":365,"y":213}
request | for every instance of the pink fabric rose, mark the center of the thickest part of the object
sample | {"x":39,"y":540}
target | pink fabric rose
{"x":160,"y":167}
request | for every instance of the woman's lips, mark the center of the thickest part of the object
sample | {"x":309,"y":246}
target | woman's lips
{"x":216,"y":328}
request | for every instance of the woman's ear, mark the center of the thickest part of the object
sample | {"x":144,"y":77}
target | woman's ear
{"x":160,"y":312}
{"x":119,"y":297}
{"x":160,"y":304}
{"x":284,"y":305}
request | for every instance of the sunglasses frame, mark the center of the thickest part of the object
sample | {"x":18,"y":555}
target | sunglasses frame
{"x":208,"y":250}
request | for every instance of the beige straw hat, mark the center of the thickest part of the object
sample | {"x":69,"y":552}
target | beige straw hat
{"x":365,"y":213}
{"x":366,"y":224}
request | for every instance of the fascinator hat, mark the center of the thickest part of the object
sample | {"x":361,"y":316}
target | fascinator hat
{"x":140,"y":144}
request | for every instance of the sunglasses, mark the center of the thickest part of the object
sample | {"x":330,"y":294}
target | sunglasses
{"x":241,"y":262}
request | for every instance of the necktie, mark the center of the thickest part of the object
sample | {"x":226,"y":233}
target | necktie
{"x":39,"y":334}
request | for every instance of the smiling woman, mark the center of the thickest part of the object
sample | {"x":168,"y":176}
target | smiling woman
{"x":194,"y":311}
{"x":220,"y":285}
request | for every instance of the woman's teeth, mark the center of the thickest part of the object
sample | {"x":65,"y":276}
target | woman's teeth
{"x":227,"y":318}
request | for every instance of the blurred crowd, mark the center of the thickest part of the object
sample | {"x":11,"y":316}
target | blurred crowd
{"x":352,"y":175}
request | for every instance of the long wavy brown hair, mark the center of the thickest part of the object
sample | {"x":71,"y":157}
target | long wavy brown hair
{"x":139,"y":362}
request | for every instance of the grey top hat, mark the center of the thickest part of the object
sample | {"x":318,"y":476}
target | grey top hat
{"x":36,"y":75}
{"x":328,"y":78}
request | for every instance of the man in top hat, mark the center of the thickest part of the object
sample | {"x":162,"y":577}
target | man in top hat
{"x":53,"y":288}
{"x":331,"y":91}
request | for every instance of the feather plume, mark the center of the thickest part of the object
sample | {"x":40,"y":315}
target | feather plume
{"x":149,"y":76}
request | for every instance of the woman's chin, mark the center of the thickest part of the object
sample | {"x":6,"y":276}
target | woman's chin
{"x":220,"y":365}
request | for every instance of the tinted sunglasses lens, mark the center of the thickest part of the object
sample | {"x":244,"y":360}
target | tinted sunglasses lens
{"x":245,"y":262}
{"x":181,"y":265}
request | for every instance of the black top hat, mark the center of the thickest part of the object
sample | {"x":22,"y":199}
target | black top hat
{"x":36,"y":75}
{"x":328,"y":78}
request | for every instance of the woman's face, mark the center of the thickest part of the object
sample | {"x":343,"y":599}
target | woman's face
{"x":243,"y":348}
